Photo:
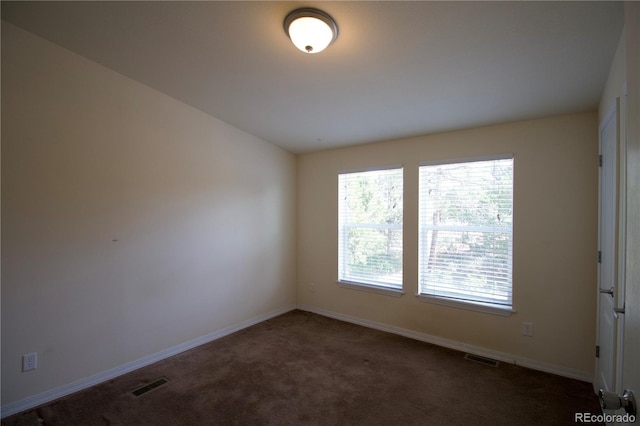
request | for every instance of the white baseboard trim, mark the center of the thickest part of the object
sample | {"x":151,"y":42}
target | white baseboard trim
{"x":50,"y":395}
{"x":463,"y":347}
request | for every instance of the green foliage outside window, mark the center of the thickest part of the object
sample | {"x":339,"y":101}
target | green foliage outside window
{"x":371,"y":226}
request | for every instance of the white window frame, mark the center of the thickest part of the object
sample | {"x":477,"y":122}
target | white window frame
{"x":451,"y":299}
{"x":360,"y":284}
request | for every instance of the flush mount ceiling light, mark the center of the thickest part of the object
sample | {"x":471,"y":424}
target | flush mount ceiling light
{"x":310,"y":30}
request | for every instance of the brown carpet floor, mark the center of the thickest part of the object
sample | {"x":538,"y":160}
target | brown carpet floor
{"x":303,"y":368}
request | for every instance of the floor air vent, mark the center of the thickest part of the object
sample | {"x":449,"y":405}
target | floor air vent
{"x":482,"y":360}
{"x":150,"y":386}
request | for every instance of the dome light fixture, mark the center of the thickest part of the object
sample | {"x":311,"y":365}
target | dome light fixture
{"x":310,"y":30}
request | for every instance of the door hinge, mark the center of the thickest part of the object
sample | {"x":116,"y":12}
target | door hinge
{"x":597,"y":351}
{"x":600,"y":160}
{"x":599,"y":256}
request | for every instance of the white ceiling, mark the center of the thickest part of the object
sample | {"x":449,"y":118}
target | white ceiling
{"x":397,"y":69}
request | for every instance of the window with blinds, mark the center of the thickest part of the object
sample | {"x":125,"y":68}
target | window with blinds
{"x":370,"y":228}
{"x":466,"y":230}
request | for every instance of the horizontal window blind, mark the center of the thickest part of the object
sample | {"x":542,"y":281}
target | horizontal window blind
{"x":466,"y":231}
{"x":370,"y":227}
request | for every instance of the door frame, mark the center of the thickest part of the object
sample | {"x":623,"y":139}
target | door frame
{"x":617,"y":110}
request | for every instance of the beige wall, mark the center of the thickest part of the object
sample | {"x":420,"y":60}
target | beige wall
{"x":555,"y":236}
{"x":131,"y":223}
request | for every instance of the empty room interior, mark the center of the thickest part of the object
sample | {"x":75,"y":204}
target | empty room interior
{"x":431,"y":178}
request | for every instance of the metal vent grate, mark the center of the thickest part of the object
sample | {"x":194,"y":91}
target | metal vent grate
{"x":150,"y":386}
{"x":482,"y":360}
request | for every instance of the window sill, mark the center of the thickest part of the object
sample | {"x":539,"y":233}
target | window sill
{"x":486,"y":308}
{"x":387,"y":291}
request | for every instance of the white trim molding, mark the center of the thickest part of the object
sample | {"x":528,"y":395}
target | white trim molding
{"x":559,"y":370}
{"x":504,"y":156}
{"x":487,"y":308}
{"x":387,"y":291}
{"x":50,"y":395}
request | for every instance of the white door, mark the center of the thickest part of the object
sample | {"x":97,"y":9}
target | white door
{"x":609,"y":335}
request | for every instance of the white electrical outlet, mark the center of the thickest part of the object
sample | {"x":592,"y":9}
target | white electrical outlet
{"x":312,"y":287}
{"x":527,"y":329}
{"x":30,"y":361}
